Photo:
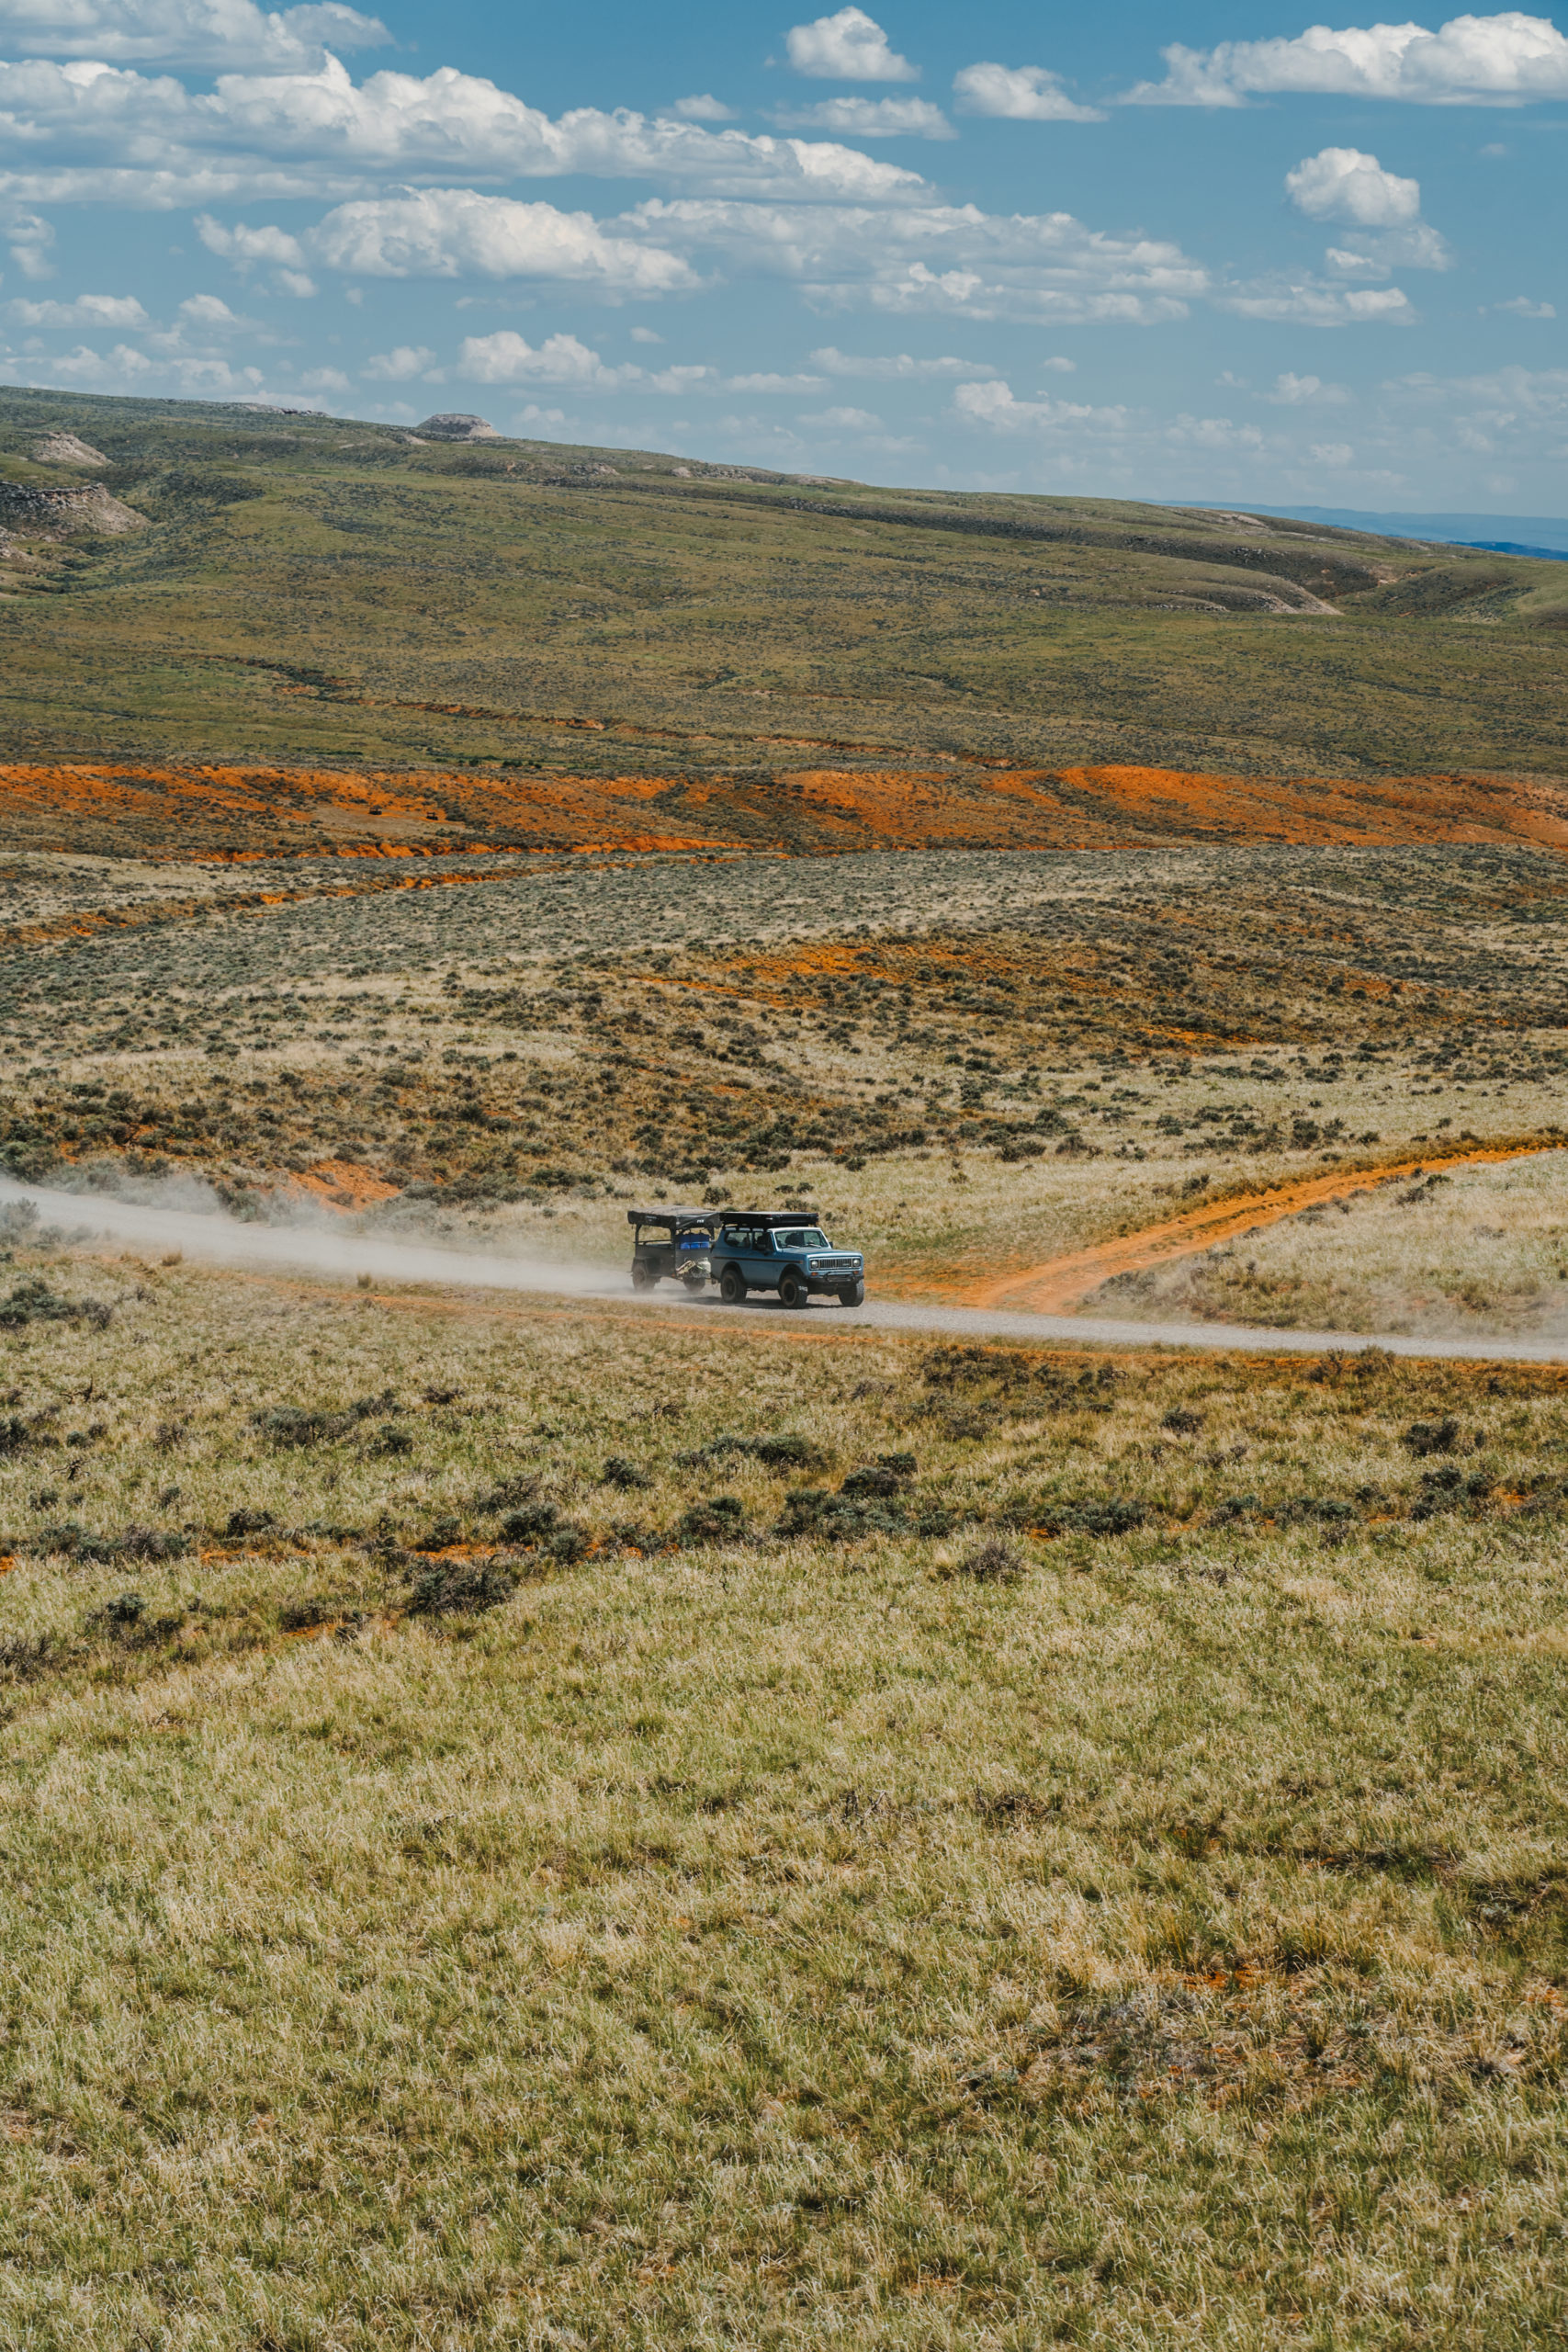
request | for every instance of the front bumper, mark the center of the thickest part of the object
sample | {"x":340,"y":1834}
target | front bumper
{"x":830,"y":1280}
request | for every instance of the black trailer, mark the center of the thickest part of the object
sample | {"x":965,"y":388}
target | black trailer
{"x":671,"y":1245}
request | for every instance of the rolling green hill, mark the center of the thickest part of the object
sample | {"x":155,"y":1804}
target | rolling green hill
{"x":310,"y":589}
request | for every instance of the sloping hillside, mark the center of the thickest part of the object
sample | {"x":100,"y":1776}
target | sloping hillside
{"x":315,"y":593}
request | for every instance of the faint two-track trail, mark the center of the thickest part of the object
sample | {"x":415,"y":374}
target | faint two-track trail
{"x":1057,"y":1286}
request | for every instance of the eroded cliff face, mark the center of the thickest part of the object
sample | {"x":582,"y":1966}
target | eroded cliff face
{"x":66,"y":449}
{"x":39,"y":512}
{"x":451,"y":427}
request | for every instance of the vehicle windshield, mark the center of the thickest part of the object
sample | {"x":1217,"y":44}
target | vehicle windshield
{"x":800,"y":1237}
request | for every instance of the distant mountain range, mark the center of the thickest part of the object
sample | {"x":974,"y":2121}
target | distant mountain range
{"x":1503,"y":534}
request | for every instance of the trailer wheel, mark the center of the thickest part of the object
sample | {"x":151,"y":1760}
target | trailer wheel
{"x":791,"y":1290}
{"x":641,"y":1278}
{"x":732,"y":1285}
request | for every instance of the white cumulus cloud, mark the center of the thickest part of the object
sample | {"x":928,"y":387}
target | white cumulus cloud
{"x":1211,"y":432}
{"x":209,"y":312}
{"x":703,"y":107}
{"x":508,"y":358}
{"x":126,"y":370}
{"x":1308,"y":303}
{"x":844,"y":420}
{"x":1306,"y":391}
{"x":226,"y":33}
{"x":951,"y":261}
{"x":401,"y":366}
{"x":457,"y":233}
{"x":1387,"y":232}
{"x":1018,"y":94}
{"x":244,"y":246}
{"x":849,"y":47}
{"x":899,"y":368}
{"x":681,"y":380}
{"x":30,"y":240}
{"x":872,"y":118}
{"x":82,"y":131}
{"x":107,"y":311}
{"x":775,"y":383}
{"x":1502,"y":59}
{"x":1342,"y":184}
{"x":268,"y":248}
{"x":994,"y":406}
{"x":395,"y":120}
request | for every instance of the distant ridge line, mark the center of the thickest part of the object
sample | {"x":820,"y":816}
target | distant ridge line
{"x":1538,"y":535}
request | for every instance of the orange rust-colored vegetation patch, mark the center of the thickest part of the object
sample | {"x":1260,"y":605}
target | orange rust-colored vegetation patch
{"x":139,"y":808}
{"x":1061,"y":1283}
{"x":231,"y":813}
{"x":1376,"y":813}
{"x":341,"y":1184}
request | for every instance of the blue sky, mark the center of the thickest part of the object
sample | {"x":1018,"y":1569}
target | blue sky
{"x":1185,"y":251}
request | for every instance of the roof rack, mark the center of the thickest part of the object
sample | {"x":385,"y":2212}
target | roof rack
{"x":808,"y":1215}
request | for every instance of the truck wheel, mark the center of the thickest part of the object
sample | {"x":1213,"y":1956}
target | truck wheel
{"x":853,"y":1296}
{"x":732,"y":1285}
{"x":642,"y":1279}
{"x":791,"y":1290}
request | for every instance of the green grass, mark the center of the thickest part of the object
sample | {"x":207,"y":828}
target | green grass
{"x":772,"y":1940}
{"x":308,"y":588}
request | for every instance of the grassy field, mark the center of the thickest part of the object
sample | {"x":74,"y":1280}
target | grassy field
{"x":539,"y":1828}
{"x":311,"y":590}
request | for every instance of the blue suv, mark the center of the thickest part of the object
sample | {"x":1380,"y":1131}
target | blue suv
{"x":781,"y":1249}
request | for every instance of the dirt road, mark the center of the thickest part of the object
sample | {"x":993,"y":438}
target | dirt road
{"x":92,"y":1222}
{"x":1060,"y":1282}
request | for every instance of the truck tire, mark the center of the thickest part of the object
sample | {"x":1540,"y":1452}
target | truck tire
{"x":732,"y":1285}
{"x":695,"y":1282}
{"x":854,"y":1296}
{"x":791,"y":1290}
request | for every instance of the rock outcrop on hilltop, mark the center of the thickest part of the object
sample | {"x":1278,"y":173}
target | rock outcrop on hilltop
{"x":65,"y":449}
{"x":56,"y":513}
{"x":456,"y":429}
